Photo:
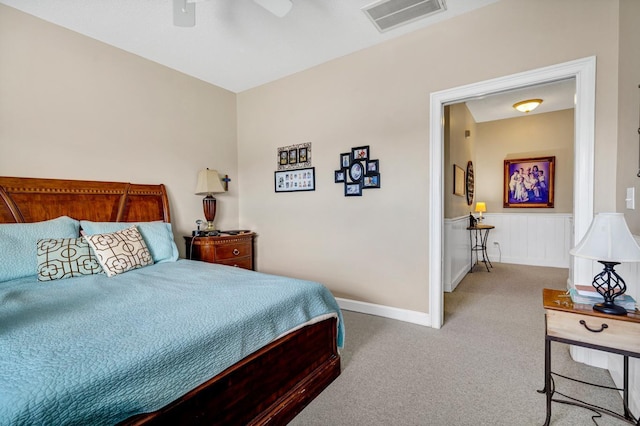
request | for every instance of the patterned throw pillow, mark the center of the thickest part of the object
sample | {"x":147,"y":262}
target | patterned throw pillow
{"x":120,"y":251}
{"x":65,"y":258}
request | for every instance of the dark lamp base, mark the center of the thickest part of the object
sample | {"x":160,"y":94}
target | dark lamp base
{"x":609,"y":308}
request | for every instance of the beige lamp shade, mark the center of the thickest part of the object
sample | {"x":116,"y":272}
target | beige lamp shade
{"x":481,"y":207}
{"x":608,"y":239}
{"x":208,"y":183}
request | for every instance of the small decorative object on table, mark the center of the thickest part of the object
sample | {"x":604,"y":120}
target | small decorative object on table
{"x":609,"y":241}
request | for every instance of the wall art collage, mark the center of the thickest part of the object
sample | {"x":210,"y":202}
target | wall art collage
{"x":294,"y":169}
{"x":358,"y":171}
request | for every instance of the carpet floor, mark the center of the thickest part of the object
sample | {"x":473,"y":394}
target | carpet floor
{"x":482,"y":367}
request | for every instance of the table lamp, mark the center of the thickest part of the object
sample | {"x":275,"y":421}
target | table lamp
{"x":481,"y":207}
{"x":209,"y":184}
{"x":609,"y":241}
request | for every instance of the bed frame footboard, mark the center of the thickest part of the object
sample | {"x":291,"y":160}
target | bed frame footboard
{"x":269,"y":387}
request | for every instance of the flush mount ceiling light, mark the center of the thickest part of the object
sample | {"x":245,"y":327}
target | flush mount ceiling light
{"x":528,"y":105}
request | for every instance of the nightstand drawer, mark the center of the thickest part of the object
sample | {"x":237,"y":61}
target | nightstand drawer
{"x":227,"y":249}
{"x":594,"y":330}
{"x":232,"y":251}
{"x":243,"y":262}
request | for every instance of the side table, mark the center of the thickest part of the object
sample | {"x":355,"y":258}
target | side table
{"x":478,"y":235}
{"x":580,"y":325}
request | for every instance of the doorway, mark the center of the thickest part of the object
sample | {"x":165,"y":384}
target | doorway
{"x":583,"y":71}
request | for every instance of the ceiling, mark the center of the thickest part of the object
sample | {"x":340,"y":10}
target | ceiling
{"x":555,"y":96}
{"x":235,"y":44}
{"x":238,"y":45}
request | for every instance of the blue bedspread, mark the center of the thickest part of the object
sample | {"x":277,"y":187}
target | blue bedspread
{"x":96,"y":350}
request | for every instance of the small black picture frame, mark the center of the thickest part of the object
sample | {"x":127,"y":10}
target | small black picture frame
{"x":371,"y":180}
{"x":284,"y":157}
{"x":360,"y":153}
{"x":293,"y":156}
{"x":373,"y":166}
{"x":295,"y":180}
{"x":339,"y":176}
{"x":345,"y":160}
{"x":302,"y":155}
{"x":352,"y":190}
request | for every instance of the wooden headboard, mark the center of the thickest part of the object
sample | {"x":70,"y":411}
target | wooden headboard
{"x":33,"y":200}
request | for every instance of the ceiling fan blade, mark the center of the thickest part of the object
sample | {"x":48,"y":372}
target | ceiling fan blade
{"x":278,"y":7}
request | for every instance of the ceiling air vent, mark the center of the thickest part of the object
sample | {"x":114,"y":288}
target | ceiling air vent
{"x":388,"y":14}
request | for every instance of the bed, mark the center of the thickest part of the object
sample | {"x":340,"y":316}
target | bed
{"x":281,"y":368}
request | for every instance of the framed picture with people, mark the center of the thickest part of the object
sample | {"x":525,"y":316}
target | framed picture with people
{"x":529,"y":182}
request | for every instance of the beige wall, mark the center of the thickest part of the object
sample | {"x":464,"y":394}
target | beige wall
{"x":629,"y":111}
{"x":72,"y":107}
{"x":458,"y":150}
{"x":374,"y":248}
{"x":539,"y":135}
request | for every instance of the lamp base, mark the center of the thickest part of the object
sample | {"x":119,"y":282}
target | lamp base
{"x":609,"y":308}
{"x":209,"y":206}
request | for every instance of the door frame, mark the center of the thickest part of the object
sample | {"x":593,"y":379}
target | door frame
{"x":584,"y":72}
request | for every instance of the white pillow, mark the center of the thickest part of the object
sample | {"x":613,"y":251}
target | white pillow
{"x":121,"y":251}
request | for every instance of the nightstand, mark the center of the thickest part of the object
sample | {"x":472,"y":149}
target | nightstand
{"x":580,"y":325}
{"x":232,"y":250}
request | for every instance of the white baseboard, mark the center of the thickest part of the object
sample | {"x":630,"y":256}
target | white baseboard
{"x":405,"y":315}
{"x":460,"y":275}
{"x":590,"y":357}
{"x":550,"y":263}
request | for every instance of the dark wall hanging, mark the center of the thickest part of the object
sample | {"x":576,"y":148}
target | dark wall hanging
{"x":358,"y":171}
{"x":471,"y":183}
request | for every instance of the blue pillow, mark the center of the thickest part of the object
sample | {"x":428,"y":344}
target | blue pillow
{"x":158,"y":236}
{"x":18,"y":241}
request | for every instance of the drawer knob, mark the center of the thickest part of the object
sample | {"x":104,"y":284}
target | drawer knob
{"x":602,"y":327}
{"x":236,"y":252}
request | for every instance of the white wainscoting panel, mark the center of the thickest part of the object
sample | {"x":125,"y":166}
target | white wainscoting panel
{"x":457,"y":257}
{"x":537,"y":239}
